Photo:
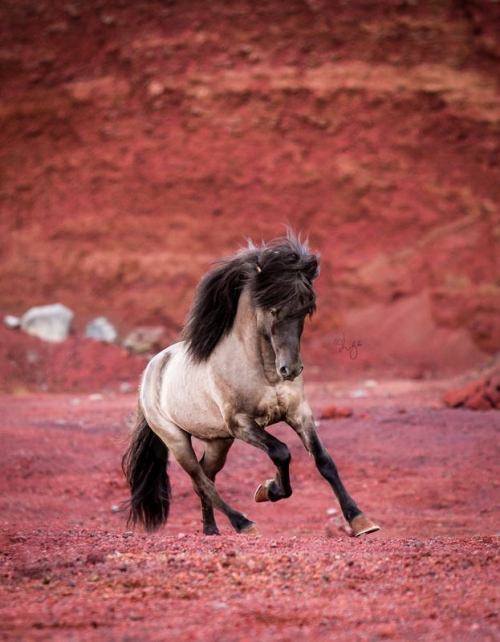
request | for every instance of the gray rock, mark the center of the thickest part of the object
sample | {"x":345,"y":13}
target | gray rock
{"x":12,"y":322}
{"x":145,"y":339}
{"x":101,"y":329}
{"x":48,"y":322}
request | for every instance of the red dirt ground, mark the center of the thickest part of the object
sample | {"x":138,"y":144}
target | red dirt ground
{"x":71,"y":569}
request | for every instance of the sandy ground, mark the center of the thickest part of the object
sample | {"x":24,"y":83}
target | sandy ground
{"x":72,"y":570}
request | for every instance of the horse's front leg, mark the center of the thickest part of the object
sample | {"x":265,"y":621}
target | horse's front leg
{"x":246,"y":429}
{"x":303,"y":424}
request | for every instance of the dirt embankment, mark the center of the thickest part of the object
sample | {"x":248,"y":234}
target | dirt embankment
{"x":140,"y":141}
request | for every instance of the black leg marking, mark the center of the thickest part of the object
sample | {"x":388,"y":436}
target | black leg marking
{"x":212,"y":461}
{"x":278,"y":452}
{"x":325,"y":464}
{"x":328,"y":470}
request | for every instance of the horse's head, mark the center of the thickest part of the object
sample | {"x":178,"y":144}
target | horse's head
{"x":283,"y":328}
{"x":284,"y":296}
{"x":278,"y":277}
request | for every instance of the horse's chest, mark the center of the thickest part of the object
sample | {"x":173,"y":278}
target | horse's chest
{"x":273,"y":406}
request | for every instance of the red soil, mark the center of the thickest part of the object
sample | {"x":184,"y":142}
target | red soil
{"x":72,"y":570}
{"x":142,"y":140}
{"x":77,"y":364}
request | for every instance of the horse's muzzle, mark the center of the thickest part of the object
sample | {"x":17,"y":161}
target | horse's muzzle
{"x":289,"y":374}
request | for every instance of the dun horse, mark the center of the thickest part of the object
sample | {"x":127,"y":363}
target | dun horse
{"x":237,"y":371}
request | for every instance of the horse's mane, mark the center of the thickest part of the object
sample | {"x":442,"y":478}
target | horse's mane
{"x":278,"y":273}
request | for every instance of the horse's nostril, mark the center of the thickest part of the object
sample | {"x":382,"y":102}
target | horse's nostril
{"x":284,"y":371}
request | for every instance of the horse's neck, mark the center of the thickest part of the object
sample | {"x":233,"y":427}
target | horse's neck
{"x":258,"y":351}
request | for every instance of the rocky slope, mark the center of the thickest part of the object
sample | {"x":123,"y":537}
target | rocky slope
{"x":142,"y":140}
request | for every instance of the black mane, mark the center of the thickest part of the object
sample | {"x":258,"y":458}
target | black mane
{"x":279,"y":273}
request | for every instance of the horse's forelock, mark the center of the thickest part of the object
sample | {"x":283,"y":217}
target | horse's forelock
{"x":287,"y":270}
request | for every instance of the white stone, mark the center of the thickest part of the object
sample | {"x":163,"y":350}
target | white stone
{"x":101,"y":329}
{"x":12,"y":322}
{"x":356,"y":394}
{"x":48,"y":322}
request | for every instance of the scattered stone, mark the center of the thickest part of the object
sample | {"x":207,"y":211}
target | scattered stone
{"x":32,"y":356}
{"x":48,"y":322}
{"x":483,"y":394}
{"x":95,"y":558}
{"x":96,"y":396}
{"x":155,"y":88}
{"x":108,"y":19}
{"x":478,"y":401}
{"x":145,"y":339}
{"x":101,"y":329}
{"x":335,"y":412}
{"x":358,"y":393}
{"x":72,"y":10}
{"x":337,"y":525}
{"x":12,"y":322}
{"x":458,"y":397}
{"x":219,"y":605}
{"x":58,"y":27}
{"x":492,"y":390}
{"x":125,"y":386}
{"x":106,"y":89}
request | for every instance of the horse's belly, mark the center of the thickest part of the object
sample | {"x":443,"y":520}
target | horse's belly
{"x":199,"y":423}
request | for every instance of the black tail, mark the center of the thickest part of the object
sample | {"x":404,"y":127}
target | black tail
{"x":145,"y":467}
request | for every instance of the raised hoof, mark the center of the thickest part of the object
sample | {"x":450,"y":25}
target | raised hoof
{"x":362,"y":525}
{"x":262,"y":492}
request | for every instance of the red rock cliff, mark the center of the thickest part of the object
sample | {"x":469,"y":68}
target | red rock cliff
{"x":142,"y":140}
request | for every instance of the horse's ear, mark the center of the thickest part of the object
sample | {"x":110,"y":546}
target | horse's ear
{"x":214,"y":307}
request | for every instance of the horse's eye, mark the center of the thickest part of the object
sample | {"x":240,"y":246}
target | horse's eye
{"x":274,"y":312}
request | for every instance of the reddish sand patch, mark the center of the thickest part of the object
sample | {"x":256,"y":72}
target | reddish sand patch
{"x":72,"y":570}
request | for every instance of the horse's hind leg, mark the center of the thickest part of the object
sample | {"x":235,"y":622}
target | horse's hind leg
{"x":212,"y":462}
{"x":182,"y":450}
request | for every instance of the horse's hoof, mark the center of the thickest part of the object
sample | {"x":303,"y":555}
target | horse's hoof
{"x":211,"y":531}
{"x":362,"y":525}
{"x":251,"y":530}
{"x":262,"y":492}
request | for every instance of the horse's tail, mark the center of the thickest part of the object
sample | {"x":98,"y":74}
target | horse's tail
{"x":145,"y":467}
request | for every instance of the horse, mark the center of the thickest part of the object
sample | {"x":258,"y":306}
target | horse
{"x":237,"y":371}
